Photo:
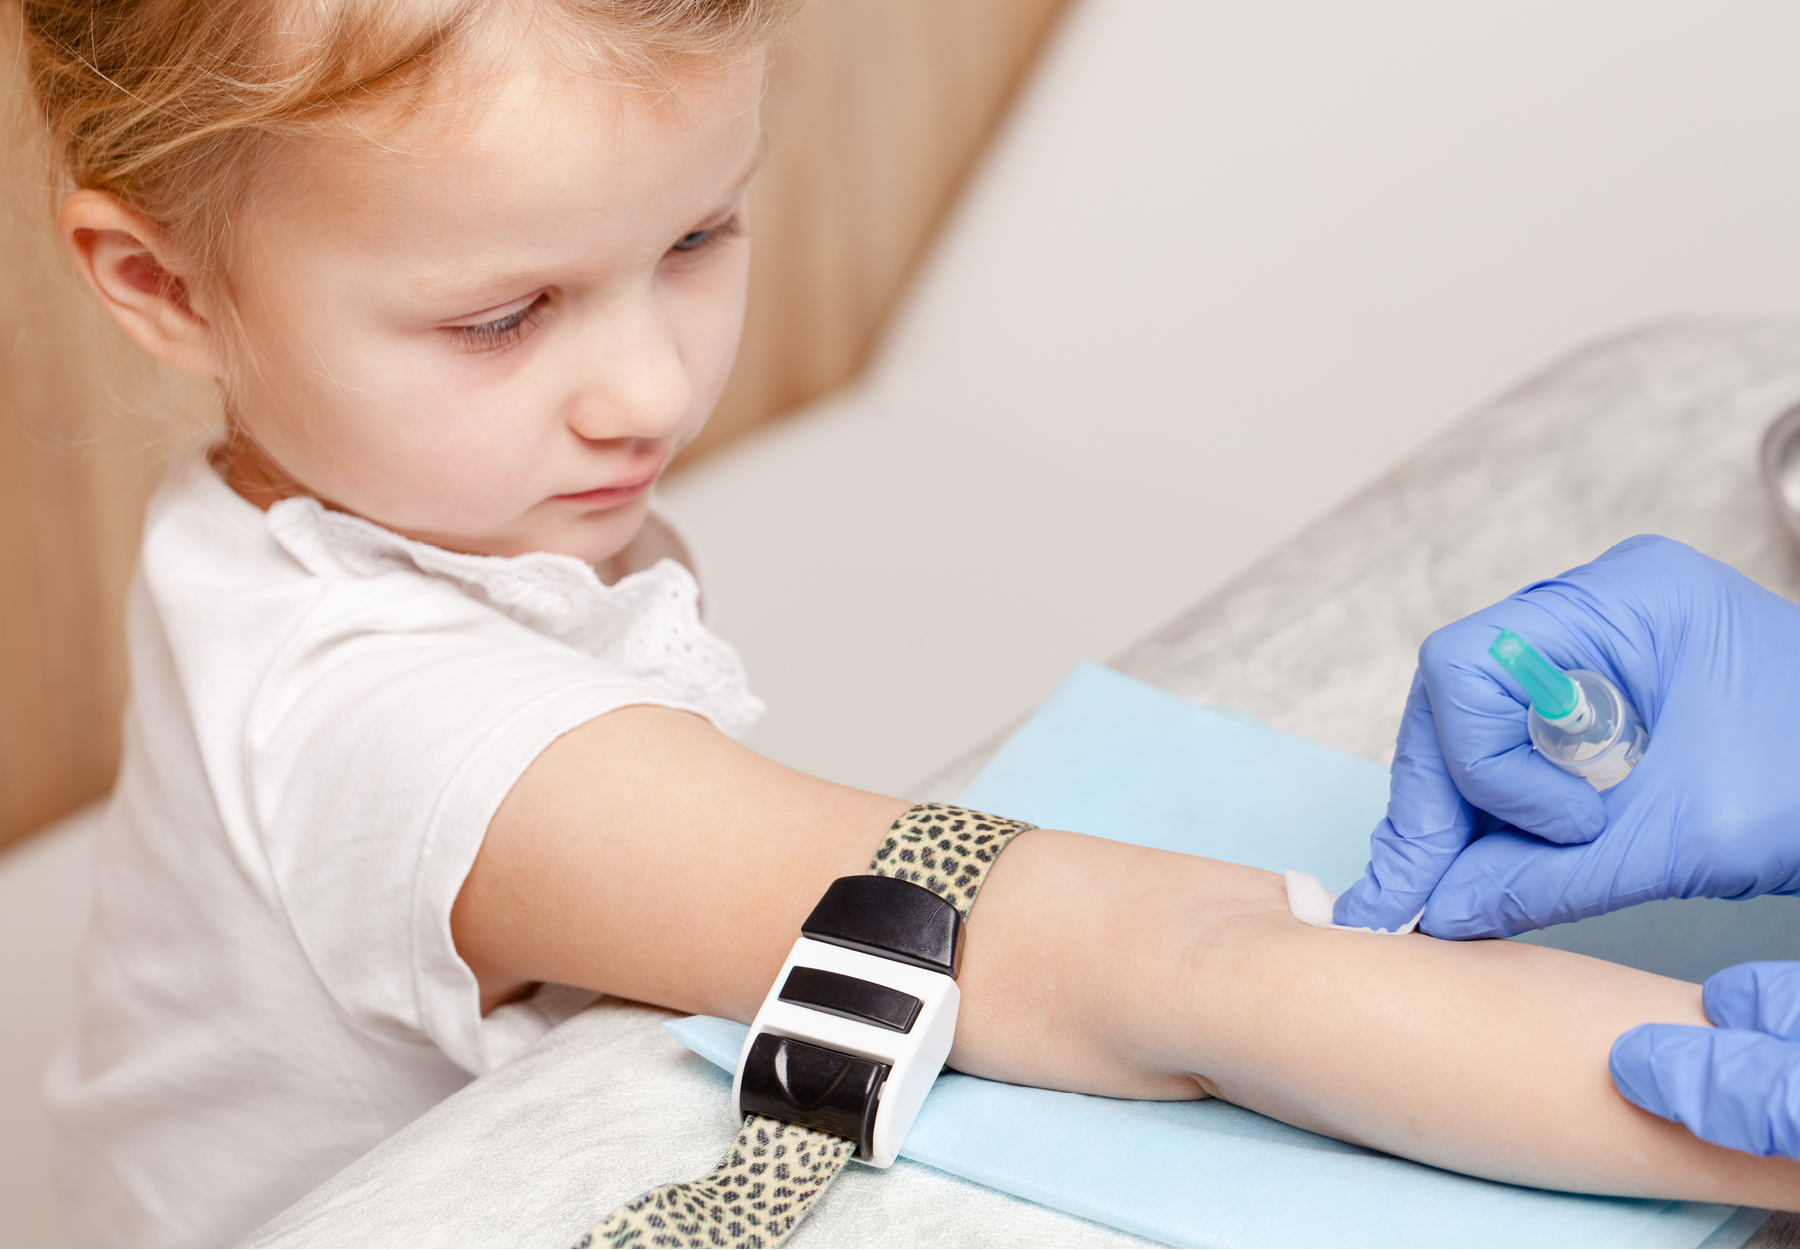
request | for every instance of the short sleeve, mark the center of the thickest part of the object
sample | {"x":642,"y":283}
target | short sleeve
{"x":381,"y":743}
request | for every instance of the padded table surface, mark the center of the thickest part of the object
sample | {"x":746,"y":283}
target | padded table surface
{"x":1657,"y":431}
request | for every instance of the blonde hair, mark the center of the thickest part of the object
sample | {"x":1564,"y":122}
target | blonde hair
{"x":169,"y":104}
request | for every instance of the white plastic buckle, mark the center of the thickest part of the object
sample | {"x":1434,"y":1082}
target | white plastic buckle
{"x":914,"y":1057}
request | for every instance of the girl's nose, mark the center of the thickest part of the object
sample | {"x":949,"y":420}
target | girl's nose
{"x":636,"y":383}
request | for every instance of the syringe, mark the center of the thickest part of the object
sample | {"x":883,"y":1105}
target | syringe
{"x":1579,"y":720}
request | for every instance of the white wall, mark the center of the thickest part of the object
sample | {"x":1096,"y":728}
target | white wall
{"x":44,"y":904}
{"x":1231,"y":260}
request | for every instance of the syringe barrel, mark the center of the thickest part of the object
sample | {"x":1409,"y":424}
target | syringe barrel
{"x":1607,"y":748}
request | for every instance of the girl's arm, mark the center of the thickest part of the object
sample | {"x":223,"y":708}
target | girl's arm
{"x":647,"y":855}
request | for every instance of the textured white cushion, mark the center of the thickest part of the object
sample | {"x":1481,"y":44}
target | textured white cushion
{"x":604,"y":1108}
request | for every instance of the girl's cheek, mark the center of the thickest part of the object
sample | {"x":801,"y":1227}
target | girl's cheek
{"x":718,"y":326}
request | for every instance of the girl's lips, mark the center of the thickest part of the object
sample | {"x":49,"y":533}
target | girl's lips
{"x":607,"y":496}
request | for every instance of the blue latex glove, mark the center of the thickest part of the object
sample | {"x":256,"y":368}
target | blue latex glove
{"x":1736,"y":1085}
{"x":1500,"y":841}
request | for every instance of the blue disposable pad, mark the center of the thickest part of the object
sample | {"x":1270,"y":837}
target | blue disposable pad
{"x":1111,"y":756}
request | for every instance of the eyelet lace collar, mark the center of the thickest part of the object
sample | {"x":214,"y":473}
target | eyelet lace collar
{"x":647,"y":623}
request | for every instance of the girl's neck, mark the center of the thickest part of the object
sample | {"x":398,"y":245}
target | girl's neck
{"x":247,"y":469}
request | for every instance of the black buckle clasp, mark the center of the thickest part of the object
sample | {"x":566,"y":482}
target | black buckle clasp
{"x":813,"y":1086}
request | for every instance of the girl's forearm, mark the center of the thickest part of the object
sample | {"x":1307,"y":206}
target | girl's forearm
{"x":1117,"y":970}
{"x":647,"y":855}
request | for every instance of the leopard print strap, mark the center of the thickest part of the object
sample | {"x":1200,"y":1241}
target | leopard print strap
{"x":948,"y":850}
{"x":775,"y":1171}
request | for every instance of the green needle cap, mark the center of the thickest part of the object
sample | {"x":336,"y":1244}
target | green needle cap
{"x":1551,"y":692}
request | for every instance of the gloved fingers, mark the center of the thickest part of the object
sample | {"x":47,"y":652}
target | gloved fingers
{"x":1426,"y":826}
{"x":1764,"y":996}
{"x":1731,"y":1087}
{"x":1641,"y":597}
{"x":1509,"y":882}
{"x":1532,"y":794}
{"x":1481,"y":724}
{"x":1389,"y":893}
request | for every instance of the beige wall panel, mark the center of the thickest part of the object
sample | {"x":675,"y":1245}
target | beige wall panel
{"x":85,"y":421}
{"x":876,"y":110}
{"x":69,"y":506}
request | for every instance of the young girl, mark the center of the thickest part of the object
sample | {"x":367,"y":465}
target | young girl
{"x":425,"y":730}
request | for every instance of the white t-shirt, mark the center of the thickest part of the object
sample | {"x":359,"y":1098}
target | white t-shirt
{"x":324,"y":717}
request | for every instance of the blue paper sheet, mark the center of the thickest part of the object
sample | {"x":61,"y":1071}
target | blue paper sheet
{"x":1112,"y":756}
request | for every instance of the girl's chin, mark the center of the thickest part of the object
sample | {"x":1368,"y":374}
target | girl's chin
{"x":595,"y":540}
{"x":581,"y":547}
{"x":594,"y":537}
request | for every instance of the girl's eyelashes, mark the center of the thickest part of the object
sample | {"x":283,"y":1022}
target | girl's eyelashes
{"x":700,"y":240}
{"x":501,"y":332}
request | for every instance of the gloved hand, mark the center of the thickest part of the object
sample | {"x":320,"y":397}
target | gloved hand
{"x":1500,"y":841}
{"x":1736,"y":1085}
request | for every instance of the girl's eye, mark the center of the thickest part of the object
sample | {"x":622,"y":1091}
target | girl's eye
{"x":699,"y":240}
{"x":502,"y":331}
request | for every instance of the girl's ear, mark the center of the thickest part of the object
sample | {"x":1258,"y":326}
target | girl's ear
{"x":133,"y":268}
